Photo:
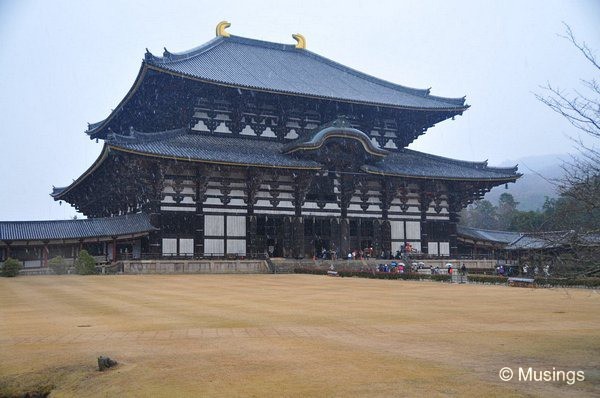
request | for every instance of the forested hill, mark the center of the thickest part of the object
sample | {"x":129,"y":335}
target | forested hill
{"x":536,"y":183}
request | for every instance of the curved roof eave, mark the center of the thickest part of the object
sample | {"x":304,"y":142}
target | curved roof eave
{"x":95,"y":128}
{"x":97,"y":163}
{"x":499,"y":180}
{"x":318,"y":140}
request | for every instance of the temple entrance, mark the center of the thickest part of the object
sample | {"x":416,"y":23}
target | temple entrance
{"x":269,"y":235}
{"x":362,"y":237}
{"x":320,"y":238}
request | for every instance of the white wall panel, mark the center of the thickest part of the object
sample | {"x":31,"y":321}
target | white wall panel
{"x":214,"y":225}
{"x":169,"y":246}
{"x":236,"y":246}
{"x":186,"y":247}
{"x":444,"y":248}
{"x":397,"y":230}
{"x":214,"y":246}
{"x":432,"y":248}
{"x":413,"y":230}
{"x":236,"y":226}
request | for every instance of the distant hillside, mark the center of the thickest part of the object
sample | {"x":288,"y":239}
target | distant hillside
{"x":531,"y":189}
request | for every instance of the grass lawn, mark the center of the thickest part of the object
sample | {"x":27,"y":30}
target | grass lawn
{"x":290,"y":335}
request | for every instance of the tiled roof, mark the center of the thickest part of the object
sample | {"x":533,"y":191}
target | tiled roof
{"x":282,"y":68}
{"x":75,"y":229}
{"x":543,"y":240}
{"x":209,"y":148}
{"x":409,"y":163}
{"x":181,"y":144}
{"x":504,"y":237}
{"x":530,"y":240}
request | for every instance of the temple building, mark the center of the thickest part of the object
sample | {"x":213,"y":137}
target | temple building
{"x":245,"y":147}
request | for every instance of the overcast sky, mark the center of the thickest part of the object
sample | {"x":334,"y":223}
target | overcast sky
{"x":66,"y":63}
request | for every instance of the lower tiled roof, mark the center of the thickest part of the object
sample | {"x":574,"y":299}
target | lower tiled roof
{"x":180,"y":144}
{"x":487,"y":235}
{"x":75,"y":229}
{"x":409,"y":163}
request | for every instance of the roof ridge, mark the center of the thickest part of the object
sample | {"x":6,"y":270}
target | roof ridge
{"x":182,"y":55}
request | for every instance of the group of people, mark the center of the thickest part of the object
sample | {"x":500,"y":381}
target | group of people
{"x":363,"y":254}
{"x":393,"y":267}
{"x":404,"y":251}
{"x":398,"y":267}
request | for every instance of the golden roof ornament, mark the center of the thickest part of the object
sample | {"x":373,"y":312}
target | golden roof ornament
{"x":300,"y":41}
{"x":221,"y":26}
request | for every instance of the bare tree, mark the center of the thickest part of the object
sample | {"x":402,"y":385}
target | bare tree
{"x":581,"y":107}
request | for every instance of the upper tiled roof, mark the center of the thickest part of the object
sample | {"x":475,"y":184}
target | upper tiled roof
{"x":282,"y":68}
{"x":74,"y":229}
{"x":409,"y":163}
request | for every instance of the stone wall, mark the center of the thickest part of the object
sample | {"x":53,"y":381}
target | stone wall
{"x":195,"y":267}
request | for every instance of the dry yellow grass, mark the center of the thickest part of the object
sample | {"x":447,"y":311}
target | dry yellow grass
{"x":290,"y":335}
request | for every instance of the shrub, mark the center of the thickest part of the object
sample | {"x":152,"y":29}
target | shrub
{"x":11,"y":268}
{"x":565,"y":282}
{"x":313,"y":271}
{"x":441,"y":278}
{"x":491,"y":279}
{"x":85,"y":264}
{"x":58,"y":265}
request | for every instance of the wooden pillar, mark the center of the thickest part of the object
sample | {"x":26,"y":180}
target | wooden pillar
{"x":386,"y":237}
{"x":425,"y":199}
{"x":344,"y":237}
{"x":347,"y":191}
{"x":301,"y":185}
{"x":157,"y":180}
{"x":202,"y":180}
{"x":251,"y":241}
{"x":288,"y":236}
{"x":453,"y":234}
{"x":114,"y":248}
{"x":45,"y":254}
{"x":298,"y":233}
{"x":389,"y":188}
{"x":80,"y":247}
{"x":7,"y":243}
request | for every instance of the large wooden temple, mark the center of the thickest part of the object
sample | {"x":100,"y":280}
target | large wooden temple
{"x":245,"y":147}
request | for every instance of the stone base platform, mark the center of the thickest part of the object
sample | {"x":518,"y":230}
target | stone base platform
{"x":195,"y":267}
